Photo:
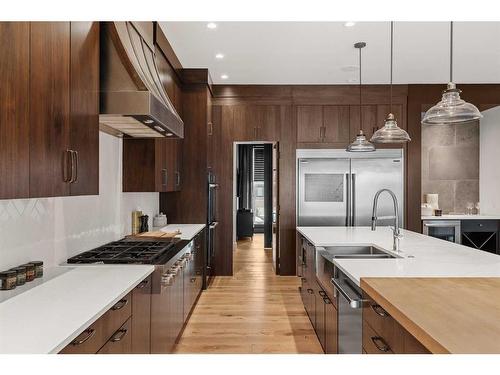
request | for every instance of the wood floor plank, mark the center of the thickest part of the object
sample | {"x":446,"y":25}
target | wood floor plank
{"x":253,"y":311}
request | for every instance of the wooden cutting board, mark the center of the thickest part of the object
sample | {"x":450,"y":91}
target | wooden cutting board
{"x":156,"y":234}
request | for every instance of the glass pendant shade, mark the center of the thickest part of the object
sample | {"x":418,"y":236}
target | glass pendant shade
{"x":390,"y":132}
{"x":451,"y":109}
{"x":360,"y":144}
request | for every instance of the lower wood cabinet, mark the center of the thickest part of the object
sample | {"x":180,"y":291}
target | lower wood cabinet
{"x":120,"y":342}
{"x":382,"y":334}
{"x":141,"y":317}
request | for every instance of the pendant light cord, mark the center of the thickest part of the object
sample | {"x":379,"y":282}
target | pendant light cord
{"x":392,"y":57}
{"x":360,"y":121}
{"x":451,"y":51}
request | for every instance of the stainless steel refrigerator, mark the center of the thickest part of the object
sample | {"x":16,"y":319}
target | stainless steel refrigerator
{"x":336,"y":187}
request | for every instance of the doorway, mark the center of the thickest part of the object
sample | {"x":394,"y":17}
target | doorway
{"x":255,"y":208}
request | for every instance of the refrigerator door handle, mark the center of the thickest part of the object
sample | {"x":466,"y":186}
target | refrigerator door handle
{"x":353,"y":199}
{"x":348,"y":201}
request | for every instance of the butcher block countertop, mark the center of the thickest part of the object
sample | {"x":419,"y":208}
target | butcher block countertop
{"x":447,"y":315}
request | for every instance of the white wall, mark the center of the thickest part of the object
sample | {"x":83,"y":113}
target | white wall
{"x":489,"y":162}
{"x":53,"y":229}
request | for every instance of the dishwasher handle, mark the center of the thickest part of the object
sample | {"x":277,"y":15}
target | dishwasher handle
{"x":355,"y":302}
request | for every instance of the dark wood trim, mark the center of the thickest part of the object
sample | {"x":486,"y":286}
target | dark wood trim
{"x":165,"y":46}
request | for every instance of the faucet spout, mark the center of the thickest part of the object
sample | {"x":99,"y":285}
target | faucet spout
{"x":396,"y":230}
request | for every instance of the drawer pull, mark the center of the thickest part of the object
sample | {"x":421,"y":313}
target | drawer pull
{"x":380,"y":344}
{"x":120,"y":305}
{"x":142,"y":284}
{"x":303,"y":279}
{"x":90,"y":333}
{"x":310,"y":291}
{"x":327,"y":301}
{"x":193,"y":279}
{"x":322,"y":294}
{"x":379,"y":310}
{"x":119,"y":335}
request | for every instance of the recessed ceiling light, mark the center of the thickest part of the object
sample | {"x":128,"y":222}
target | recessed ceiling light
{"x":212,"y":25}
{"x":219,"y":56}
{"x":224,"y":76}
{"x":148,"y":121}
{"x":349,"y":24}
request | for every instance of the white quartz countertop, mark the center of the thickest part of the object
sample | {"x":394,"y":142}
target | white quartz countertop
{"x":462,"y":217}
{"x":45,"y":318}
{"x":421,"y":256}
{"x":188,"y":231}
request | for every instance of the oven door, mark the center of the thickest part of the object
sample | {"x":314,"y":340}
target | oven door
{"x":448,"y":230}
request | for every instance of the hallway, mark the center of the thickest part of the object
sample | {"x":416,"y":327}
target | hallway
{"x":254,"y":311}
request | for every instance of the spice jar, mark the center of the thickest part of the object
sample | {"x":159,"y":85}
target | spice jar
{"x":21,"y":275}
{"x":38,"y":268}
{"x":8,"y":280}
{"x":30,"y":271}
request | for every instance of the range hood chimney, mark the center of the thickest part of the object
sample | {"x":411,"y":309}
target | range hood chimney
{"x":133,"y":100}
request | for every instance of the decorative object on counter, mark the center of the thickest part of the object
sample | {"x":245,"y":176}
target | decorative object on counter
{"x":438,"y":212}
{"x":8,"y":280}
{"x":390,"y":132}
{"x":469,"y":208}
{"x":136,"y":221}
{"x":451,"y":109}
{"x":433,"y":200}
{"x":30,"y":271}
{"x":144,"y":224}
{"x":427,"y":209}
{"x":156,"y":234}
{"x":38,"y":268}
{"x":360,"y":143}
{"x":160,"y":220}
{"x":20,"y":275}
{"x":477,"y":206}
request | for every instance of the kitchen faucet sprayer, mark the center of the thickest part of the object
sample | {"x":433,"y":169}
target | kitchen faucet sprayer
{"x":396,"y":230}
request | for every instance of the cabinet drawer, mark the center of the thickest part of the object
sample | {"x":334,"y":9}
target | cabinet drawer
{"x":479,"y":225}
{"x":120,"y":342}
{"x":95,"y":336}
{"x":374,"y":343}
{"x":383,"y":324}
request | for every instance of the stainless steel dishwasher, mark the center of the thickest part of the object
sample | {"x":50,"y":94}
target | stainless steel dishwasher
{"x":350,"y":321}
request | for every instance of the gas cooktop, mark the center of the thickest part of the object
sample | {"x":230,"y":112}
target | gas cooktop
{"x":128,"y":251}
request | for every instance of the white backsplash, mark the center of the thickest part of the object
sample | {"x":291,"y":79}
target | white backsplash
{"x":54,"y":229}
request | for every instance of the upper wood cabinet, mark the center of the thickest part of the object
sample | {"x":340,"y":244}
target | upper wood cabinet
{"x":323,"y":124}
{"x":14,"y":109}
{"x":151,"y":165}
{"x":49,"y":112}
{"x":256,"y":122}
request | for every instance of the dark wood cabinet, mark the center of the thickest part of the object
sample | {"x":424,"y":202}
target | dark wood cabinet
{"x":49,"y":109}
{"x":49,"y":127}
{"x":336,"y":124}
{"x":14,"y":109}
{"x":309,"y":123}
{"x":141,"y":317}
{"x":323,"y":124}
{"x":151,"y":165}
{"x":120,"y":342}
{"x":84,"y":107}
{"x":331,"y":327}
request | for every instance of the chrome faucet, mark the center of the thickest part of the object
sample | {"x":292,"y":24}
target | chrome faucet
{"x":396,"y":230}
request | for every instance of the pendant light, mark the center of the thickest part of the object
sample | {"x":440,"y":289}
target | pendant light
{"x":390,"y":132}
{"x":451,"y":109}
{"x":360,"y":143}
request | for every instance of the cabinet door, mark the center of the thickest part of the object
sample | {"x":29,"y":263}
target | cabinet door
{"x":141,"y":317}
{"x":309,"y":123}
{"x":268,"y":123}
{"x":139,"y":165}
{"x":173,"y":162}
{"x":368,"y":121}
{"x":84,"y":121}
{"x":14,"y":109}
{"x":319,"y":326}
{"x":49,"y":108}
{"x":331,"y":332}
{"x":120,"y":342}
{"x":336,"y":124}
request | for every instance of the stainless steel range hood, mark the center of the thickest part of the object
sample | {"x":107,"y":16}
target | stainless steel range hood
{"x":133,"y":100}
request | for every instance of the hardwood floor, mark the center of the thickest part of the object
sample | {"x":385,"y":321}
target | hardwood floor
{"x":253,"y":311}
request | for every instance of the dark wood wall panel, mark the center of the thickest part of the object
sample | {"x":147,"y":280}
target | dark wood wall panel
{"x":14,"y":109}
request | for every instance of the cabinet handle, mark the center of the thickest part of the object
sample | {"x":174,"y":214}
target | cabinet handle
{"x":178,"y":178}
{"x":310,"y":291}
{"x":67,"y":165}
{"x":303,"y":279}
{"x":379,"y":310}
{"x":142,"y":284}
{"x":380,"y":344}
{"x":119,"y":335}
{"x":210,"y":129}
{"x":322,"y":294}
{"x":193,"y":279}
{"x":164,"y":177}
{"x":76,"y":165}
{"x":327,"y":301}
{"x":120,"y":305}
{"x":90,"y":333}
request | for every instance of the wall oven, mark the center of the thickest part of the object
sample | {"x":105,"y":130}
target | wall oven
{"x":212,"y":225}
{"x":448,"y":230}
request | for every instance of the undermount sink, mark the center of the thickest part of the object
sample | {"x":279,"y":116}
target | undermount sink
{"x":357,"y":252}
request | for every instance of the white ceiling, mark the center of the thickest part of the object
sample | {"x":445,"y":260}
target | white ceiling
{"x":323,"y":52}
